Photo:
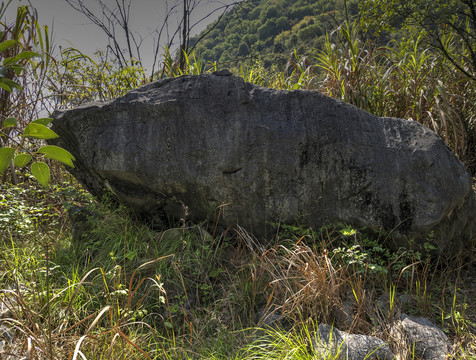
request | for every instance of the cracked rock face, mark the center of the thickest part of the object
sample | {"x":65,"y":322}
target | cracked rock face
{"x":259,"y":155}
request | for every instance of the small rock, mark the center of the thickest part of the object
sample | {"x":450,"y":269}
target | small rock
{"x":331,"y":341}
{"x":173,"y":234}
{"x":345,"y":314}
{"x":269,"y":319}
{"x":366,"y":347}
{"x":383,"y":302}
{"x":429,"y":341}
{"x":404,"y":299}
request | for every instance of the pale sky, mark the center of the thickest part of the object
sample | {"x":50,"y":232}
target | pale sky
{"x":146,"y":15}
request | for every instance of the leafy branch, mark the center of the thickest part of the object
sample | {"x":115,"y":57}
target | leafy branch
{"x":36,"y":130}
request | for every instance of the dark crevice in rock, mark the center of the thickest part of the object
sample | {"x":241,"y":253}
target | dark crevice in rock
{"x":231,"y":172}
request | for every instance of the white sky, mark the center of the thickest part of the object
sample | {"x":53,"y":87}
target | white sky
{"x":69,"y":26}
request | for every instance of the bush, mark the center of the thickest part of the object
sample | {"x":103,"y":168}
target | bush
{"x":270,"y":12}
{"x":267,"y":30}
{"x":282,"y":24}
{"x":310,"y":32}
{"x":243,"y":49}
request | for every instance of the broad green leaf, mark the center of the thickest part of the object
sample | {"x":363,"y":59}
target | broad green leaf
{"x":41,"y":172}
{"x":9,"y":122}
{"x":38,"y":131}
{"x":131,"y":255}
{"x":12,"y":84}
{"x":57,"y":153}
{"x":42,"y":121}
{"x":18,"y":69}
{"x":6,"y":155}
{"x":8,"y":61}
{"x":5,"y":45}
{"x":25,"y":55}
{"x":9,"y":84}
{"x":22,"y":160}
{"x":5,"y":86}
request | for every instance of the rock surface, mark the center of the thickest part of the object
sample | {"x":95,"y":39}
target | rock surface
{"x":330,"y":342}
{"x":428,"y":341}
{"x":196,"y":144}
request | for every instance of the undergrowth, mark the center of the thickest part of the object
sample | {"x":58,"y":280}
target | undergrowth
{"x":82,"y":279}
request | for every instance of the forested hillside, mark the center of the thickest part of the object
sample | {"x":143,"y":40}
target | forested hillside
{"x":271,"y":30}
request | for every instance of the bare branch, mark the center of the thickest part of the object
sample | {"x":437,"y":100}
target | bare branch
{"x":114,"y":19}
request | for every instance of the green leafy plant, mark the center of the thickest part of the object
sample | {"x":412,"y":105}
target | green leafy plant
{"x":192,"y":65}
{"x":12,"y":65}
{"x":15,"y":55}
{"x":302,"y":343}
{"x":36,"y":130}
{"x":78,"y":78}
{"x":25,"y":56}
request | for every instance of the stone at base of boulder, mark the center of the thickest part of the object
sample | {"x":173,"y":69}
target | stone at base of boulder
{"x":330,"y":342}
{"x":421,"y":336}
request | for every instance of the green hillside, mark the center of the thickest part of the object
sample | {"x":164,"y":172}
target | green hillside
{"x":271,"y":30}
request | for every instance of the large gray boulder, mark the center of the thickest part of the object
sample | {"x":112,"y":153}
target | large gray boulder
{"x":217,"y":145}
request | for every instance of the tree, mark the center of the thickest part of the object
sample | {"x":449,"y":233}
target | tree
{"x":267,"y":30}
{"x":243,"y":49}
{"x":282,"y":24}
{"x":447,"y":25}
